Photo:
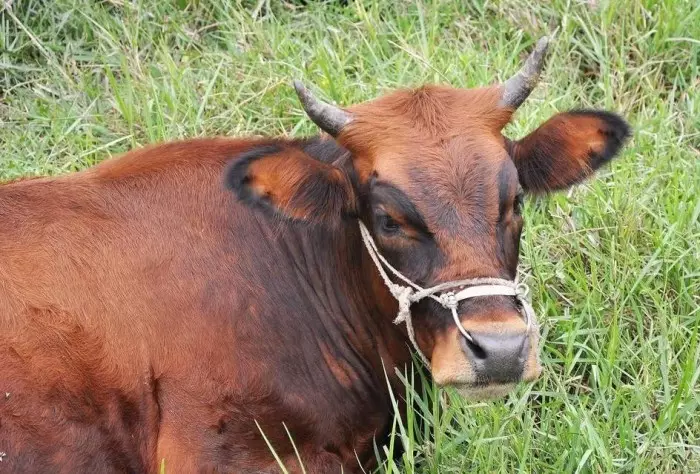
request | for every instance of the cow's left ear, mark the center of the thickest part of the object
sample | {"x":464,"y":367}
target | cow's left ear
{"x":567,"y":149}
{"x":286,"y":180}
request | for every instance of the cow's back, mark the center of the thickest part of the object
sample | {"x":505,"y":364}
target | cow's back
{"x":103,"y":283}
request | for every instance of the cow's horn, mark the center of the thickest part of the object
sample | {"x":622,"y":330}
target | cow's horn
{"x":517,"y":88}
{"x":330,"y":118}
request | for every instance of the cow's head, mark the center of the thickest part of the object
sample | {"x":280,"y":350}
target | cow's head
{"x":441,"y":189}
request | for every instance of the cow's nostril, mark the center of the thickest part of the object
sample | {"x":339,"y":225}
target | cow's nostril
{"x":475,"y":349}
{"x":497,"y":357}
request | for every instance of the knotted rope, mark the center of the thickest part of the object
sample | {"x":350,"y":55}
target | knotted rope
{"x":407,"y":295}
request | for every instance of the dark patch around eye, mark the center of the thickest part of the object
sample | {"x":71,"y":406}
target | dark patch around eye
{"x":388,"y":225}
{"x":518,"y":204}
{"x":505,"y":178}
{"x":508,"y":230}
{"x":393,"y":198}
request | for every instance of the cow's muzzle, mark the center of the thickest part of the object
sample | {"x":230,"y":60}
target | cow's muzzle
{"x":497,"y":358}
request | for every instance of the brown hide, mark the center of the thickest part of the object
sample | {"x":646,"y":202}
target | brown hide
{"x":148,"y":315}
{"x":173,"y":303}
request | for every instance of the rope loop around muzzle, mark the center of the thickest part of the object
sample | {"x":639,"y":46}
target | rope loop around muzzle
{"x":443,"y":293}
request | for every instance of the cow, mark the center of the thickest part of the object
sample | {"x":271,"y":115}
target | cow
{"x":199,"y":302}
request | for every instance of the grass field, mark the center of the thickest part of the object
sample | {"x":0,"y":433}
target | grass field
{"x":613,"y":265}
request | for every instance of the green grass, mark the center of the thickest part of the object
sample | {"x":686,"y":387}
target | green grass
{"x":614,"y":264}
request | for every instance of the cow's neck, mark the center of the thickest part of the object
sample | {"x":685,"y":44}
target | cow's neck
{"x":362,"y":304}
{"x":345,"y":284}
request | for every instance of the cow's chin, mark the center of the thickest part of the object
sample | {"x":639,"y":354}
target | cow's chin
{"x":484,"y":392}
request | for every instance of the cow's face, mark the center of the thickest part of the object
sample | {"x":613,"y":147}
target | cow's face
{"x":441,"y":195}
{"x":441,"y":190}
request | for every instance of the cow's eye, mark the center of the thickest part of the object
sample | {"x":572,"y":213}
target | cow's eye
{"x":518,"y":204}
{"x":388,"y":225}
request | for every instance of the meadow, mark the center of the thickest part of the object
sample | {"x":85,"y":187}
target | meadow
{"x":613,"y":265}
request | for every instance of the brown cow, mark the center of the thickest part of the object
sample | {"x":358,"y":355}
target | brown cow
{"x":176,"y":301}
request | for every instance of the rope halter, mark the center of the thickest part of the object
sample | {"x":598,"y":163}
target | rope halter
{"x":443,"y":293}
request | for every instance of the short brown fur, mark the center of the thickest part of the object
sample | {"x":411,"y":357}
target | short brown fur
{"x":150,"y":313}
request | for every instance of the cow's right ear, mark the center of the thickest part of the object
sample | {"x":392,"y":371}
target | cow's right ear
{"x":290,"y":182}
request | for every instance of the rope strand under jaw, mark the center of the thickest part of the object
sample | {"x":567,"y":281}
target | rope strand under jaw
{"x":407,"y":295}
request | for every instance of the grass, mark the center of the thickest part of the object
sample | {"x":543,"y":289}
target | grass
{"x":614,"y":264}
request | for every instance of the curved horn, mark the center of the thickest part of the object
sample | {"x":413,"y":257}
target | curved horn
{"x":518,"y":88}
{"x":330,"y":118}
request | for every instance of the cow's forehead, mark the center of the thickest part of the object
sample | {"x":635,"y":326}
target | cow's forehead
{"x":434,"y":127}
{"x":443,"y":148}
{"x":432,"y":110}
{"x":456,"y":183}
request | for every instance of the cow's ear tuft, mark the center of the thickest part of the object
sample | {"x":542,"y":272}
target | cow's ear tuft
{"x":286,"y":180}
{"x":567,"y":149}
